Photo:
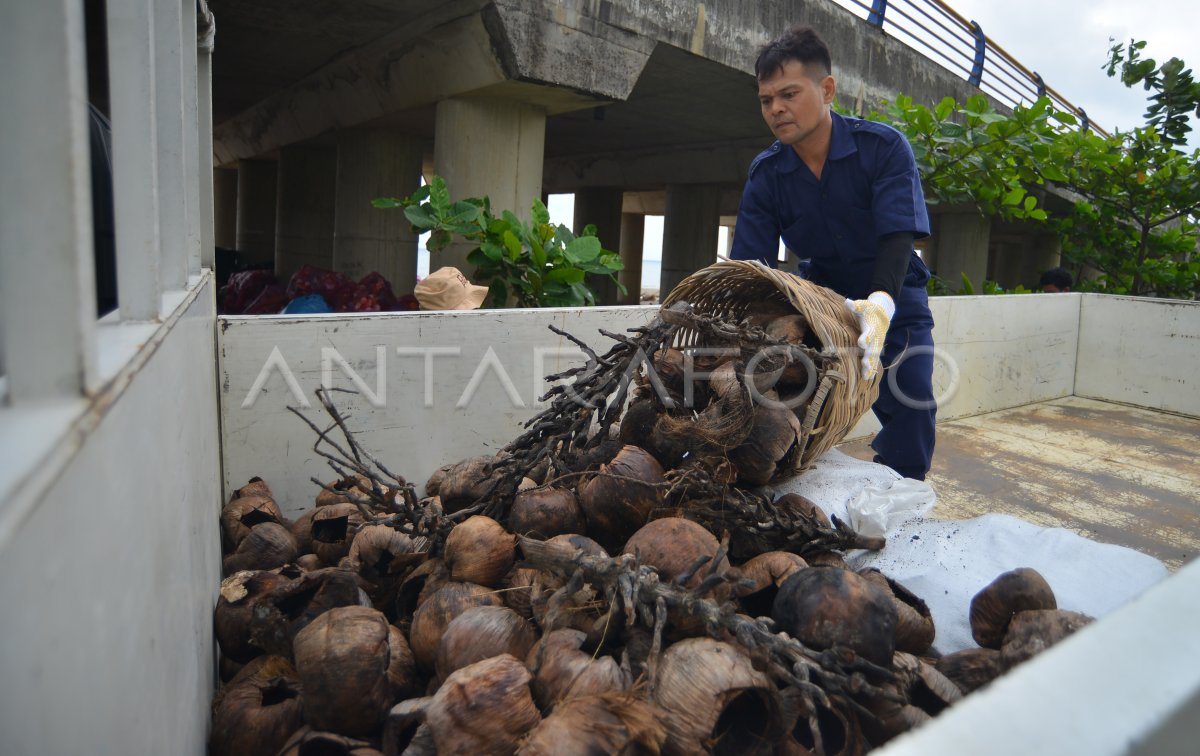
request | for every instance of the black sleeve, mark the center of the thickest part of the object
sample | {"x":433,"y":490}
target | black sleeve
{"x":892,"y":263}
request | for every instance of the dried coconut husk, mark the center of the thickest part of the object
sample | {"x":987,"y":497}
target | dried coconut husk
{"x":482,"y":632}
{"x":671,"y":545}
{"x":915,"y":630}
{"x":621,"y":496}
{"x":227,"y":668}
{"x":723,"y":424}
{"x":309,"y":562}
{"x":484,"y":708}
{"x":994,"y":606}
{"x":421,"y":583}
{"x":234,"y":610}
{"x":434,"y":615}
{"x":1033,"y":631}
{"x":333,"y":530}
{"x":714,"y":700}
{"x":971,"y":668}
{"x":382,"y":555}
{"x":258,"y":710}
{"x":309,"y":742}
{"x":826,"y":559}
{"x":637,"y":425}
{"x":479,"y":550}
{"x":255,"y":487}
{"x":290,"y":607}
{"x":761,"y":578}
{"x":517,"y":590}
{"x":546,"y":512}
{"x":242,"y":514}
{"x":268,"y":545}
{"x":773,"y":439}
{"x":301,"y":530}
{"x":465,"y":482}
{"x":563,"y":671}
{"x":794,"y":330}
{"x":794,"y":502}
{"x":600,"y":724}
{"x":824,"y":607}
{"x":353,"y":666}
{"x":357,"y":485}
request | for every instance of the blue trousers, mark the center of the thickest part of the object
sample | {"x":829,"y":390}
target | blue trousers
{"x":906,"y":408}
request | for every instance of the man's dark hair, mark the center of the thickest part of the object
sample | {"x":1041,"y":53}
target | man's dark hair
{"x":1056,"y":277}
{"x":800,"y":43}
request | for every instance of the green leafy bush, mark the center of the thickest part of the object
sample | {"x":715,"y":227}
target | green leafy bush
{"x":536,"y":264}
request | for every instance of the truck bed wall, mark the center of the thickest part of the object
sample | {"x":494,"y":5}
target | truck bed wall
{"x":110,"y":561}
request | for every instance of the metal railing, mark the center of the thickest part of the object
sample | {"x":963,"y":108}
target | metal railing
{"x":934,"y":29}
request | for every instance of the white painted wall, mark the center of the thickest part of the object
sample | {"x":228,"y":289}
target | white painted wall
{"x":1144,"y":352}
{"x":997,"y":352}
{"x":413,"y":423}
{"x":110,"y":561}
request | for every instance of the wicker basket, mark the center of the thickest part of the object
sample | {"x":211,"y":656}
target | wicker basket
{"x":733,"y":289}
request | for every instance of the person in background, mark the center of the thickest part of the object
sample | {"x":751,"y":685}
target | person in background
{"x":845,"y":194}
{"x":1055,"y":280}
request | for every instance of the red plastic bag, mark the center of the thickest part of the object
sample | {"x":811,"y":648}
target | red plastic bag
{"x":270,"y":301}
{"x":243,"y":288}
{"x":378,"y":287}
{"x":334,"y":287}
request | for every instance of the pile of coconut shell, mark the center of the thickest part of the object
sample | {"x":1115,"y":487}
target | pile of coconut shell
{"x":342,"y":636}
{"x":616,"y":580}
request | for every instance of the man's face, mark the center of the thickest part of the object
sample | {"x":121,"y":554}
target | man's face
{"x":794,"y":104}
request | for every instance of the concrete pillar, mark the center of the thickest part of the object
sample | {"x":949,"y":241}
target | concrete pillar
{"x":1006,"y":261}
{"x":171,"y":145}
{"x":225,"y":202}
{"x":375,"y":163}
{"x":633,"y":240}
{"x":1045,"y":253}
{"x":601,"y":207}
{"x":488,"y":147}
{"x":304,"y":209}
{"x":962,"y":247}
{"x":256,"y":211}
{"x":689,"y":232}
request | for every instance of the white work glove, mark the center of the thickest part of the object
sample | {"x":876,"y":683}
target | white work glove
{"x":874,"y":315}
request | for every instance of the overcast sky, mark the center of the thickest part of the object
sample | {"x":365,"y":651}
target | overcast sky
{"x":1066,"y":41}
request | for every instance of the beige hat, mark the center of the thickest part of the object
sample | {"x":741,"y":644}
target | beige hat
{"x":449,"y":289}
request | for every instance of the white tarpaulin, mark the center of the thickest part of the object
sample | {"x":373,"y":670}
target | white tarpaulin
{"x":946,"y":562}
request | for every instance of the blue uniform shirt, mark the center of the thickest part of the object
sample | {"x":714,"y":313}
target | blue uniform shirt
{"x":868,"y":188}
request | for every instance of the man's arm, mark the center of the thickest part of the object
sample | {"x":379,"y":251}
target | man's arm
{"x":756,"y":235}
{"x":891,"y":263}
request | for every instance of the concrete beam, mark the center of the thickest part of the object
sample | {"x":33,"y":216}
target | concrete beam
{"x":420,"y":65}
{"x":725,"y":163}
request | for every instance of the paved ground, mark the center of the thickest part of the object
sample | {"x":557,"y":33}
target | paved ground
{"x":1109,"y":472}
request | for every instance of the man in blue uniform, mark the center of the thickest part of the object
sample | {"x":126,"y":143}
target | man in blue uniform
{"x":845,"y":195}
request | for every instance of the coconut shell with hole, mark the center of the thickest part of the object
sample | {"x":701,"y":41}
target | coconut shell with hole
{"x":713,"y":699}
{"x":242,"y":514}
{"x":1033,"y":631}
{"x":603,"y":724}
{"x":994,"y":606}
{"x":824,"y":607}
{"x":484,"y":708}
{"x":353,"y":667}
{"x":479,"y":550}
{"x":255,"y":487}
{"x":258,"y":711}
{"x":309,"y":742}
{"x":434,"y":615}
{"x":288,"y":608}
{"x":301,"y":530}
{"x":482,"y":632}
{"x":672,"y":545}
{"x":268,"y":545}
{"x":234,"y":610}
{"x":915,"y":630}
{"x":772,"y":440}
{"x":333,"y":529}
{"x":761,"y":577}
{"x":546,"y":512}
{"x":971,"y":668}
{"x":563,"y":671}
{"x":621,"y":497}
{"x":465,"y":482}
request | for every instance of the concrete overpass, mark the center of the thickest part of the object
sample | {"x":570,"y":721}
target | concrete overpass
{"x":635,"y":106}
